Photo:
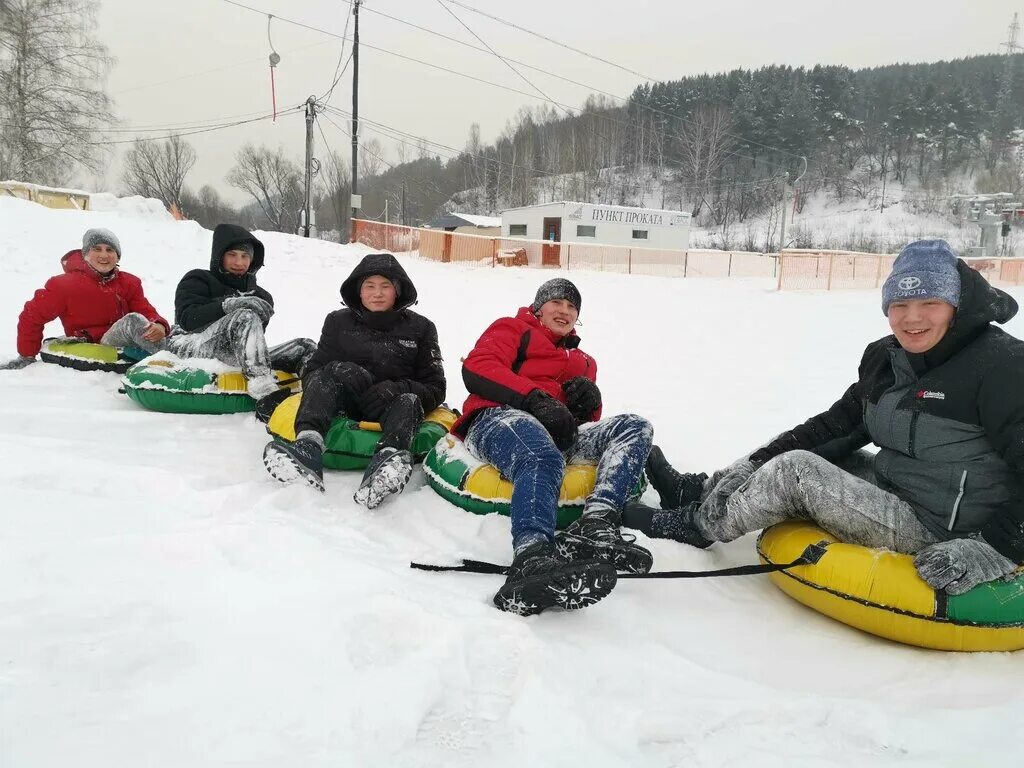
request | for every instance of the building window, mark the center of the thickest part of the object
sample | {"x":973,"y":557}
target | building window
{"x":582,"y":230}
{"x":517,"y":230}
{"x":639,"y":234}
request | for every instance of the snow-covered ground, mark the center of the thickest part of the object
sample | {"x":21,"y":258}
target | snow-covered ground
{"x":164,"y":603}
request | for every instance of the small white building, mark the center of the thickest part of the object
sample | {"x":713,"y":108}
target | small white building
{"x":566,"y":222}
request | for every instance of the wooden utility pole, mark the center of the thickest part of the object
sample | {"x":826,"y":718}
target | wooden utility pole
{"x":355,"y":119}
{"x":306,"y":225}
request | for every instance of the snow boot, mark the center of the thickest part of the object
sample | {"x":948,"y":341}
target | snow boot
{"x":597,"y":537}
{"x":266,"y":405}
{"x":676,"y":489}
{"x":388,"y":472}
{"x":301,"y":460}
{"x":540,"y":578}
{"x":675,"y":524}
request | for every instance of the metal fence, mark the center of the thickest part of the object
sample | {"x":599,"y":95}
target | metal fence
{"x":450,"y":247}
{"x":833,"y":270}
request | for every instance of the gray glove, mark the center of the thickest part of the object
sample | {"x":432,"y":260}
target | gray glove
{"x":959,"y":565}
{"x":17,"y":363}
{"x":262,"y":308}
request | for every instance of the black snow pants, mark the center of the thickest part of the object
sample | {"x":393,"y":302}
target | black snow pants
{"x":334,"y":390}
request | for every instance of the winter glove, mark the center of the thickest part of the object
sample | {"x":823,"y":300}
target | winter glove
{"x":262,"y":308}
{"x":582,"y":397}
{"x":375,"y":400}
{"x":554,"y":416}
{"x":959,"y":565}
{"x":17,"y":363}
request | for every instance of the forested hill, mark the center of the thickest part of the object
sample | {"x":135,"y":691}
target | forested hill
{"x":717,"y":145}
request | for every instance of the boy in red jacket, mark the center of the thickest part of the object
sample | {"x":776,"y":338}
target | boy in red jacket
{"x":533,"y":405}
{"x":95,"y":302}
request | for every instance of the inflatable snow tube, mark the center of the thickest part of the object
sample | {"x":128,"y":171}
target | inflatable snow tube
{"x":86,"y":356}
{"x":349,"y":444}
{"x":454,"y":473}
{"x":170,"y":384}
{"x":878,"y":591}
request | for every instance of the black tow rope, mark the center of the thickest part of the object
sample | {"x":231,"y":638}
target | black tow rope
{"x":809,"y":556}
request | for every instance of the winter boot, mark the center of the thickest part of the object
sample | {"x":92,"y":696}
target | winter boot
{"x":266,"y":405}
{"x":301,"y":460}
{"x":675,"y":524}
{"x":388,"y":472}
{"x":597,"y":537}
{"x":676,"y":489}
{"x":540,"y":578}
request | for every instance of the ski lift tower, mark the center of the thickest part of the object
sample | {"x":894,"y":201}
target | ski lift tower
{"x":996,"y":214}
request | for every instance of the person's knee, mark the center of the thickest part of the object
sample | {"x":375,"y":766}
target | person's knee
{"x":638,"y":425}
{"x":243,"y":321}
{"x":349,"y":375}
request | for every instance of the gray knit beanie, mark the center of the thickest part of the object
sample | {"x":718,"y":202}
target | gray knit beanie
{"x":925,"y":269}
{"x":557,"y":288}
{"x":100,"y":236}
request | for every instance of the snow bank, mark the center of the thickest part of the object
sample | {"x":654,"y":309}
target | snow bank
{"x":165,"y":603}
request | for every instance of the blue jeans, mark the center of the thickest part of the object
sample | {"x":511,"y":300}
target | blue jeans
{"x":523,"y":451}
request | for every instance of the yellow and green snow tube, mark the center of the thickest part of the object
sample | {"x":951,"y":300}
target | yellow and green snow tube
{"x":172,"y":386}
{"x":879,"y":591}
{"x":349,"y":444}
{"x":86,"y":356}
{"x":454,"y":473}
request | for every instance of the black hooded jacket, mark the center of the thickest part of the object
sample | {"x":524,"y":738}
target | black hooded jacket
{"x":949,"y":422}
{"x":200,"y":293}
{"x":397,"y":345}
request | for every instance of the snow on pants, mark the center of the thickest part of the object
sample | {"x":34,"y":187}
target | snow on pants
{"x":127,"y":332}
{"x":523,"y":451}
{"x":334,"y":390}
{"x":844,"y":500}
{"x":237,"y":339}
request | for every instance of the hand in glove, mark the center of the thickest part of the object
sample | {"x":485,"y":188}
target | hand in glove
{"x":17,"y":363}
{"x":959,"y":565}
{"x":376,"y":399}
{"x":555,"y":417}
{"x":262,"y":308}
{"x":582,"y":397}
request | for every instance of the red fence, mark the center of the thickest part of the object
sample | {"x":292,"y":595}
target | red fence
{"x":515,"y":252}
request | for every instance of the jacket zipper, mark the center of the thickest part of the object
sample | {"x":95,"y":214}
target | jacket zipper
{"x":913,"y":434}
{"x":956,"y":504}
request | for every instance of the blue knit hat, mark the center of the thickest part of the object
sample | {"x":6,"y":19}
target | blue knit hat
{"x":925,"y":269}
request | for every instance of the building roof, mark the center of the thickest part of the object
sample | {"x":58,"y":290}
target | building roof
{"x":599,"y":205}
{"x":465,"y":220}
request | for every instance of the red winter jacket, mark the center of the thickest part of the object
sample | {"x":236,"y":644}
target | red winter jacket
{"x":515,"y":356}
{"x":86,"y":302}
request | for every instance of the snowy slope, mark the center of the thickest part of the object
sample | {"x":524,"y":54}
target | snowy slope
{"x":164,"y":603}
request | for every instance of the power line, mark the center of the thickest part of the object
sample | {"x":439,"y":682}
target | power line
{"x":338,"y":74}
{"x":552,"y":40}
{"x":516,"y":90}
{"x":210,"y":129}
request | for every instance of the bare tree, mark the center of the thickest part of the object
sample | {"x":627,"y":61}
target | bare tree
{"x":207,"y":207}
{"x":337,"y":182}
{"x":158,"y":169}
{"x":52,"y":99}
{"x":704,"y":144}
{"x":275,"y":183}
{"x":371,"y":158}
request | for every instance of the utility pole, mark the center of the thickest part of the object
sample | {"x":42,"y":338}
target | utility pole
{"x":785,"y":204}
{"x":355,"y":119}
{"x":306,"y":224}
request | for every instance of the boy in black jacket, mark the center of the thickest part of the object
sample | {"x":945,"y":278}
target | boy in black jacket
{"x":221,"y":313}
{"x":377,"y":360}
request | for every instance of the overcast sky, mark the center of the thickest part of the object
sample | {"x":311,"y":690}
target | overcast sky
{"x":199,"y":61}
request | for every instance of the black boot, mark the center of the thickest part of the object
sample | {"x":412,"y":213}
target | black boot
{"x":388,"y":472}
{"x":540,"y":578}
{"x":676,"y":489}
{"x":290,"y":462}
{"x":675,"y":524}
{"x":266,"y":406}
{"x":597,"y":537}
